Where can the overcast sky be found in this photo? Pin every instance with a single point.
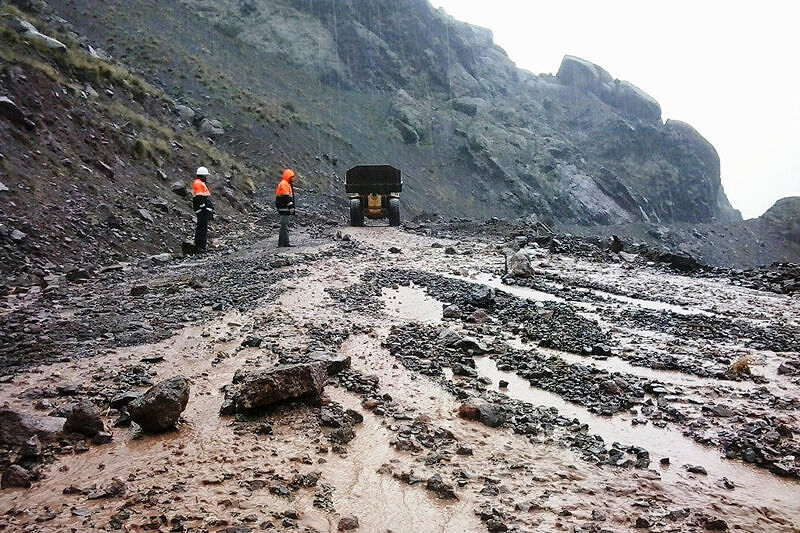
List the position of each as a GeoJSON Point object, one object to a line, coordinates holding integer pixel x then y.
{"type": "Point", "coordinates": [730, 69]}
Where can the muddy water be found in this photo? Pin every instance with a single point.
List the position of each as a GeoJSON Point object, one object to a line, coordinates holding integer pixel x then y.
{"type": "Point", "coordinates": [412, 304]}
{"type": "Point", "coordinates": [753, 482]}
{"type": "Point", "coordinates": [616, 364]}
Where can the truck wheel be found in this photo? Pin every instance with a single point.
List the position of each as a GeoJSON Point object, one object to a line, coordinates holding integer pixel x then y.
{"type": "Point", "coordinates": [394, 211]}
{"type": "Point", "coordinates": [356, 214]}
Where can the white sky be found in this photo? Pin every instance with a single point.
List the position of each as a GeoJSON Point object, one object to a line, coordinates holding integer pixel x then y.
{"type": "Point", "coordinates": [729, 68]}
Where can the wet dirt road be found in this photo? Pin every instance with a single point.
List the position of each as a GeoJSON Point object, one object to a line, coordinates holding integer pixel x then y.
{"type": "Point", "coordinates": [231, 474]}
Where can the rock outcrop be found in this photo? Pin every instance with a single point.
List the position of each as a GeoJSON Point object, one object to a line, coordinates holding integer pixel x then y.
{"type": "Point", "coordinates": [475, 135]}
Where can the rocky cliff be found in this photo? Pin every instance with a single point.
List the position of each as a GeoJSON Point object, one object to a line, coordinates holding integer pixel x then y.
{"type": "Point", "coordinates": [315, 82]}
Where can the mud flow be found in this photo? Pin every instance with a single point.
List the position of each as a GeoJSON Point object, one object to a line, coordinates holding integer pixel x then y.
{"type": "Point", "coordinates": [373, 379]}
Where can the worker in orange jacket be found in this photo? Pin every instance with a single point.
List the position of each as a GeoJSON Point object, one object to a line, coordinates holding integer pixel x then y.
{"type": "Point", "coordinates": [284, 201]}
{"type": "Point", "coordinates": [203, 208]}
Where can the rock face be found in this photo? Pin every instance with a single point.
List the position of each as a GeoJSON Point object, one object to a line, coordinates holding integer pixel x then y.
{"type": "Point", "coordinates": [160, 408]}
{"type": "Point", "coordinates": [579, 147]}
{"type": "Point", "coordinates": [623, 95]}
{"type": "Point", "coordinates": [267, 387]}
{"type": "Point", "coordinates": [783, 219]}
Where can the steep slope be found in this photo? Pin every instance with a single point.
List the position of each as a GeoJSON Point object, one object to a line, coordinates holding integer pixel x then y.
{"type": "Point", "coordinates": [332, 84]}
{"type": "Point", "coordinates": [94, 165]}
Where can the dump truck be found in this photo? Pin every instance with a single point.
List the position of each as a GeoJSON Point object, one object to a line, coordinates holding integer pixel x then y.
{"type": "Point", "coordinates": [374, 192]}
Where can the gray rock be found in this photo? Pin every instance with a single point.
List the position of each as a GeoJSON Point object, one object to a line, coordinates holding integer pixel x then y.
{"type": "Point", "coordinates": [491, 415]}
{"type": "Point", "coordinates": [84, 419]}
{"type": "Point", "coordinates": [145, 215]}
{"type": "Point", "coordinates": [634, 101]}
{"type": "Point", "coordinates": [3, 187]}
{"type": "Point", "coordinates": [122, 399]}
{"type": "Point", "coordinates": [335, 362]}
{"type": "Point", "coordinates": [264, 388]}
{"type": "Point", "coordinates": [348, 523]}
{"type": "Point", "coordinates": [30, 33]}
{"type": "Point", "coordinates": [17, 428]}
{"type": "Point", "coordinates": [440, 488]}
{"type": "Point", "coordinates": [12, 112]}
{"type": "Point", "coordinates": [160, 408]}
{"type": "Point", "coordinates": [211, 128]}
{"type": "Point", "coordinates": [185, 112]}
{"type": "Point", "coordinates": [519, 265]}
{"type": "Point", "coordinates": [179, 188]}
{"type": "Point", "coordinates": [15, 477]}
{"type": "Point", "coordinates": [722, 411]}
{"type": "Point", "coordinates": [451, 311]}
{"type": "Point", "coordinates": [468, 106]}
{"type": "Point", "coordinates": [18, 236]}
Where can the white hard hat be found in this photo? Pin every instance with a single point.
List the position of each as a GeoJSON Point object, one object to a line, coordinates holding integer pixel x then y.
{"type": "Point", "coordinates": [202, 171]}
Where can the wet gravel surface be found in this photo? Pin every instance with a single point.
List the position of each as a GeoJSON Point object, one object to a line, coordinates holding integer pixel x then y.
{"type": "Point", "coordinates": [416, 434]}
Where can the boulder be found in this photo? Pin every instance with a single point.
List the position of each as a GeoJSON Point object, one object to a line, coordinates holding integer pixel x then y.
{"type": "Point", "coordinates": [211, 128]}
{"type": "Point", "coordinates": [33, 35]}
{"type": "Point", "coordinates": [15, 477]}
{"type": "Point", "coordinates": [491, 415]}
{"type": "Point", "coordinates": [583, 74]}
{"type": "Point", "coordinates": [10, 111]}
{"type": "Point", "coordinates": [630, 99]}
{"type": "Point", "coordinates": [179, 188]}
{"type": "Point", "coordinates": [519, 265]}
{"type": "Point", "coordinates": [17, 428]}
{"type": "Point", "coordinates": [84, 419]}
{"type": "Point", "coordinates": [264, 388]}
{"type": "Point", "coordinates": [622, 95]}
{"type": "Point", "coordinates": [185, 112]}
{"type": "Point", "coordinates": [161, 406]}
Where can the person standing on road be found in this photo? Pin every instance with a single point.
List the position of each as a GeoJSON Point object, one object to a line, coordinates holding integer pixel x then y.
{"type": "Point", "coordinates": [203, 208]}
{"type": "Point", "coordinates": [284, 201]}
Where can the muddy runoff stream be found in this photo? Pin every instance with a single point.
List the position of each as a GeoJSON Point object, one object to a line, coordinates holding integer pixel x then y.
{"type": "Point", "coordinates": [281, 471]}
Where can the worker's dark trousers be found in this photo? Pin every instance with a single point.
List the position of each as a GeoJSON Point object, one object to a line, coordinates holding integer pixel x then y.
{"type": "Point", "coordinates": [201, 231]}
{"type": "Point", "coordinates": [283, 236]}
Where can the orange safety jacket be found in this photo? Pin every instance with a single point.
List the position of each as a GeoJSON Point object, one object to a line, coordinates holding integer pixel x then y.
{"type": "Point", "coordinates": [284, 197]}
{"type": "Point", "coordinates": [201, 197]}
{"type": "Point", "coordinates": [199, 188]}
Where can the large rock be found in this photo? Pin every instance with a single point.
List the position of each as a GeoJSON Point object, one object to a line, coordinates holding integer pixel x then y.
{"type": "Point", "coordinates": [33, 35]}
{"type": "Point", "coordinates": [84, 419]}
{"type": "Point", "coordinates": [12, 112]}
{"type": "Point", "coordinates": [622, 95]}
{"type": "Point", "coordinates": [519, 265]}
{"type": "Point", "coordinates": [211, 128]}
{"type": "Point", "coordinates": [17, 428]}
{"type": "Point", "coordinates": [264, 388]}
{"type": "Point", "coordinates": [632, 100]}
{"type": "Point", "coordinates": [15, 477]}
{"type": "Point", "coordinates": [584, 75]}
{"type": "Point", "coordinates": [161, 406]}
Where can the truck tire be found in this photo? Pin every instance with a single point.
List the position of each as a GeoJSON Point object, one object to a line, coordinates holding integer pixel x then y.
{"type": "Point", "coordinates": [356, 214]}
{"type": "Point", "coordinates": [394, 211]}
